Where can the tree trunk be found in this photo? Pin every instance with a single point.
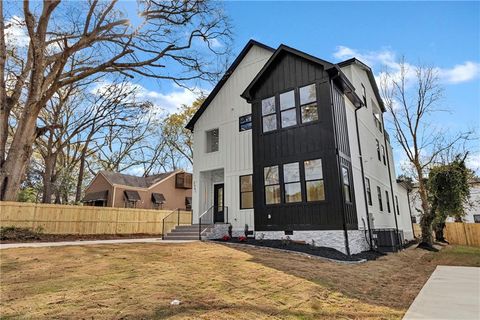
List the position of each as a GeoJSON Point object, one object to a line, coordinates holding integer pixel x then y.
{"type": "Point", "coordinates": [427, 214]}
{"type": "Point", "coordinates": [13, 169]}
{"type": "Point", "coordinates": [48, 177]}
{"type": "Point", "coordinates": [439, 227]}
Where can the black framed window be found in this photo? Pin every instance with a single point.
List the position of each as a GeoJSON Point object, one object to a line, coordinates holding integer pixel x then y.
{"type": "Point", "coordinates": [245, 122]}
{"type": "Point", "coordinates": [314, 184]}
{"type": "Point", "coordinates": [398, 208]}
{"type": "Point", "coordinates": [476, 218]}
{"type": "Point", "coordinates": [291, 180]}
{"type": "Point", "coordinates": [364, 95]}
{"type": "Point", "coordinates": [288, 112]}
{"type": "Point", "coordinates": [346, 184]}
{"type": "Point", "coordinates": [246, 192]}
{"type": "Point", "coordinates": [308, 103]}
{"type": "Point", "coordinates": [378, 150]}
{"type": "Point", "coordinates": [212, 140]}
{"type": "Point", "coordinates": [269, 114]}
{"type": "Point", "coordinates": [380, 203]}
{"type": "Point", "coordinates": [388, 201]}
{"type": "Point", "coordinates": [384, 157]}
{"type": "Point", "coordinates": [272, 185]}
{"type": "Point", "coordinates": [369, 191]}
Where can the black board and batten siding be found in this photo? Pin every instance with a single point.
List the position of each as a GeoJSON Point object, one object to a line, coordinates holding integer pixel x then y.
{"type": "Point", "coordinates": [308, 141]}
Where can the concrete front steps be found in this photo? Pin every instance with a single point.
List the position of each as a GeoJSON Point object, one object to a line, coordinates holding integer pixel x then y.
{"type": "Point", "coordinates": [187, 232]}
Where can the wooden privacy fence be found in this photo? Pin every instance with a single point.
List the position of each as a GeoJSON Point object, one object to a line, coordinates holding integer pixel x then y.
{"type": "Point", "coordinates": [64, 219]}
{"type": "Point", "coordinates": [458, 233]}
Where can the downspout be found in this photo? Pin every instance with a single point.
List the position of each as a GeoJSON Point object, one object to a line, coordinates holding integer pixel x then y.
{"type": "Point", "coordinates": [410, 210]}
{"type": "Point", "coordinates": [390, 178]}
{"type": "Point", "coordinates": [363, 179]}
{"type": "Point", "coordinates": [345, 231]}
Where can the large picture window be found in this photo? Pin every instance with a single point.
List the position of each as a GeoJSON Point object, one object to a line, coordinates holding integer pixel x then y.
{"type": "Point", "coordinates": [379, 194]}
{"type": "Point", "coordinates": [272, 185]}
{"type": "Point", "coordinates": [346, 185]}
{"type": "Point", "coordinates": [308, 103]}
{"type": "Point", "coordinates": [369, 191]}
{"type": "Point", "coordinates": [246, 192]}
{"type": "Point", "coordinates": [288, 112]}
{"type": "Point", "coordinates": [269, 115]}
{"type": "Point", "coordinates": [314, 180]}
{"type": "Point", "coordinates": [291, 179]}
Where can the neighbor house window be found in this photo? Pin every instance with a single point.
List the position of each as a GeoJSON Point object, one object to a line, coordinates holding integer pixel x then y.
{"type": "Point", "coordinates": [272, 185]}
{"type": "Point", "coordinates": [245, 122]}
{"type": "Point", "coordinates": [212, 140]}
{"type": "Point", "coordinates": [476, 218]}
{"type": "Point", "coordinates": [288, 112]}
{"type": "Point", "coordinates": [269, 115]}
{"type": "Point", "coordinates": [388, 201]}
{"type": "Point", "coordinates": [364, 95]}
{"type": "Point", "coordinates": [380, 203]}
{"type": "Point", "coordinates": [377, 120]}
{"type": "Point", "coordinates": [384, 157]}
{"type": "Point", "coordinates": [291, 180]}
{"type": "Point", "coordinates": [398, 208]}
{"type": "Point", "coordinates": [246, 192]}
{"type": "Point", "coordinates": [308, 103]}
{"type": "Point", "coordinates": [346, 184]}
{"type": "Point", "coordinates": [314, 180]}
{"type": "Point", "coordinates": [378, 150]}
{"type": "Point", "coordinates": [369, 191]}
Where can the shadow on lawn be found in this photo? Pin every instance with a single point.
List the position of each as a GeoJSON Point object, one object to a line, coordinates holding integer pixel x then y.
{"type": "Point", "coordinates": [392, 281]}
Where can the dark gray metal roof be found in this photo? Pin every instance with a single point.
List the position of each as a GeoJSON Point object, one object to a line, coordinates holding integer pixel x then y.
{"type": "Point", "coordinates": [158, 198]}
{"type": "Point", "coordinates": [132, 195]}
{"type": "Point", "coordinates": [134, 181]}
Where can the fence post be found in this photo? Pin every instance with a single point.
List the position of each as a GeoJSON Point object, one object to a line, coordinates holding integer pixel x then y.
{"type": "Point", "coordinates": [178, 217]}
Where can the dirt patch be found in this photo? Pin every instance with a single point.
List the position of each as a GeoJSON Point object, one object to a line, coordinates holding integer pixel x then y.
{"type": "Point", "coordinates": [21, 235]}
{"type": "Point", "coordinates": [324, 252]}
{"type": "Point", "coordinates": [212, 281]}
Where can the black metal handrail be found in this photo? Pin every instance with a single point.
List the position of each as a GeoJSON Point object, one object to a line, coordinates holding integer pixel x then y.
{"type": "Point", "coordinates": [163, 221]}
{"type": "Point", "coordinates": [202, 216]}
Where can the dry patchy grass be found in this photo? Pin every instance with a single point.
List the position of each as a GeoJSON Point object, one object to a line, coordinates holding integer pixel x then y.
{"type": "Point", "coordinates": [213, 281]}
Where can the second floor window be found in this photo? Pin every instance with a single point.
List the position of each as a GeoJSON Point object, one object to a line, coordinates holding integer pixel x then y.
{"type": "Point", "coordinates": [212, 140]}
{"type": "Point", "coordinates": [269, 114]}
{"type": "Point", "coordinates": [245, 122]}
{"type": "Point", "coordinates": [364, 95]}
{"type": "Point", "coordinates": [378, 150]}
{"type": "Point", "coordinates": [308, 103]}
{"type": "Point", "coordinates": [379, 194]}
{"type": "Point", "coordinates": [384, 157]}
{"type": "Point", "coordinates": [369, 191]}
{"type": "Point", "coordinates": [398, 208]}
{"type": "Point", "coordinates": [288, 112]}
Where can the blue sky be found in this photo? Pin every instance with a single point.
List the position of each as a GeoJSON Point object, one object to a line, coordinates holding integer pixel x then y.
{"type": "Point", "coordinates": [442, 34]}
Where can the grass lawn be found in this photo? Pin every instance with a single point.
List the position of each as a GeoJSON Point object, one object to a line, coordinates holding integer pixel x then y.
{"type": "Point", "coordinates": [213, 281]}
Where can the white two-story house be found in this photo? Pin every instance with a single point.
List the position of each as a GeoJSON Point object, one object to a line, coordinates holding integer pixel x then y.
{"type": "Point", "coordinates": [294, 146]}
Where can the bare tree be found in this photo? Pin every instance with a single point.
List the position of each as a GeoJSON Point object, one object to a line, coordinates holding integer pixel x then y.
{"type": "Point", "coordinates": [412, 96]}
{"type": "Point", "coordinates": [73, 41]}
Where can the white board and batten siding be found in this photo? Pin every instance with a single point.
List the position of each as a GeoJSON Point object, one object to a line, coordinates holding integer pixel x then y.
{"type": "Point", "coordinates": [375, 170]}
{"type": "Point", "coordinates": [234, 154]}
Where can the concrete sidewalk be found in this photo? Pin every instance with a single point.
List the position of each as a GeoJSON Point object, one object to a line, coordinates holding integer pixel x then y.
{"type": "Point", "coordinates": [450, 293]}
{"type": "Point", "coordinates": [87, 242]}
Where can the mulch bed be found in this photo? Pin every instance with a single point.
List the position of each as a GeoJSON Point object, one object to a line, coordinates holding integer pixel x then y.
{"type": "Point", "coordinates": [324, 252]}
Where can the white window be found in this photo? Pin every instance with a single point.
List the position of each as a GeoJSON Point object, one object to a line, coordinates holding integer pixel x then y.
{"type": "Point", "coordinates": [212, 140]}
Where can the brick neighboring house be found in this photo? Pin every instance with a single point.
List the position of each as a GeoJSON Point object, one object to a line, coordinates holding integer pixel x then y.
{"type": "Point", "coordinates": [169, 190]}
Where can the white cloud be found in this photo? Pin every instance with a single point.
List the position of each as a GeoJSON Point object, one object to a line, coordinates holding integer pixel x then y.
{"type": "Point", "coordinates": [461, 72]}
{"type": "Point", "coordinates": [473, 162]}
{"type": "Point", "coordinates": [163, 102]}
{"type": "Point", "coordinates": [388, 58]}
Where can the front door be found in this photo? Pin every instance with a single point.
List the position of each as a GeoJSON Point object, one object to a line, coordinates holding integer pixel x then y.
{"type": "Point", "coordinates": [218, 208]}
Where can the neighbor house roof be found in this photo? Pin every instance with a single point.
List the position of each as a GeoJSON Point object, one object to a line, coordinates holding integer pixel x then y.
{"type": "Point", "coordinates": [370, 75]}
{"type": "Point", "coordinates": [134, 181]}
{"type": "Point", "coordinates": [190, 125]}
